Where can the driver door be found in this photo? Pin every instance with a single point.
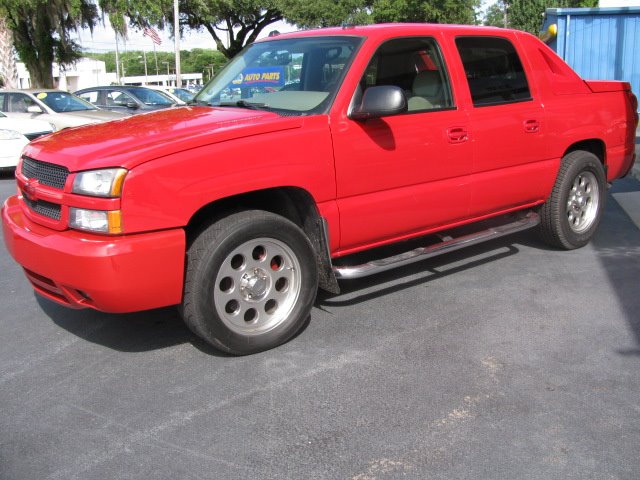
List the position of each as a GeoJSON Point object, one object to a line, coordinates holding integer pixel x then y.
{"type": "Point", "coordinates": [402, 175]}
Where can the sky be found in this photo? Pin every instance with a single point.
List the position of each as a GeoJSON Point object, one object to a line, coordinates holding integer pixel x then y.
{"type": "Point", "coordinates": [103, 38]}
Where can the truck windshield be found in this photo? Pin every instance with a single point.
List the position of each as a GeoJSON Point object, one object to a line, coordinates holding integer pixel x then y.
{"type": "Point", "coordinates": [296, 76]}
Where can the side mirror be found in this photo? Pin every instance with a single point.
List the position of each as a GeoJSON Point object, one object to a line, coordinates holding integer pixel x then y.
{"type": "Point", "coordinates": [133, 105]}
{"type": "Point", "coordinates": [34, 109]}
{"type": "Point", "coordinates": [381, 101]}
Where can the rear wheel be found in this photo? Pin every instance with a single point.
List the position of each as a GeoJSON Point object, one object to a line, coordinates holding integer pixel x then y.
{"type": "Point", "coordinates": [250, 284]}
{"type": "Point", "coordinates": [573, 211]}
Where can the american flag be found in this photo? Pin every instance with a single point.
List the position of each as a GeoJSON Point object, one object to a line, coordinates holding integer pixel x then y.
{"type": "Point", "coordinates": [152, 34]}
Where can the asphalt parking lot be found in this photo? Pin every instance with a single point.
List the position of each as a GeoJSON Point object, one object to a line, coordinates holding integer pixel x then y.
{"type": "Point", "coordinates": [508, 360]}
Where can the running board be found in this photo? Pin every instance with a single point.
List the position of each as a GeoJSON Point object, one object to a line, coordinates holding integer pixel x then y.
{"type": "Point", "coordinates": [448, 244]}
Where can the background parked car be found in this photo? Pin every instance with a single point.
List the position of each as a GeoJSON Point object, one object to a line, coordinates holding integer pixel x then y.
{"type": "Point", "coordinates": [180, 93]}
{"type": "Point", "coordinates": [126, 99]}
{"type": "Point", "coordinates": [15, 133]}
{"type": "Point", "coordinates": [61, 109]}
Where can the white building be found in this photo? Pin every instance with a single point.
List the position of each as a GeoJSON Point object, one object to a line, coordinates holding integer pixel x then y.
{"type": "Point", "coordinates": [164, 80]}
{"type": "Point", "coordinates": [619, 3]}
{"type": "Point", "coordinates": [86, 72]}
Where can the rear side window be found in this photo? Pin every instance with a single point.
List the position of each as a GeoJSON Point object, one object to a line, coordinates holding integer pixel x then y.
{"type": "Point", "coordinates": [494, 71]}
{"type": "Point", "coordinates": [91, 97]}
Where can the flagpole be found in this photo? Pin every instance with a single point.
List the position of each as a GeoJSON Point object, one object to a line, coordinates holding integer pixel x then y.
{"type": "Point", "coordinates": [149, 32]}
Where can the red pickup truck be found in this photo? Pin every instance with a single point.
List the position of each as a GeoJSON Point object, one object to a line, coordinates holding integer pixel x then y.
{"type": "Point", "coordinates": [313, 157]}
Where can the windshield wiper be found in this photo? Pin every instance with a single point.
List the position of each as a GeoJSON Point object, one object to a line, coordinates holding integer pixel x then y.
{"type": "Point", "coordinates": [244, 104]}
{"type": "Point", "coordinates": [199, 102]}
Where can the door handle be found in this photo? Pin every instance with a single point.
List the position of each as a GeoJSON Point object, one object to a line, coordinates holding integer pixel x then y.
{"type": "Point", "coordinates": [531, 126]}
{"type": "Point", "coordinates": [457, 134]}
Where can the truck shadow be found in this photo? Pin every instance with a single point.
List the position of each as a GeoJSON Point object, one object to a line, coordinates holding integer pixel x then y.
{"type": "Point", "coordinates": [357, 291]}
{"type": "Point", "coordinates": [163, 328]}
{"type": "Point", "coordinates": [128, 332]}
{"type": "Point", "coordinates": [617, 244]}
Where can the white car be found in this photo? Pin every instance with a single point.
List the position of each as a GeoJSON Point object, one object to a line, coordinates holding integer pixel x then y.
{"type": "Point", "coordinates": [15, 133]}
{"type": "Point", "coordinates": [59, 108]}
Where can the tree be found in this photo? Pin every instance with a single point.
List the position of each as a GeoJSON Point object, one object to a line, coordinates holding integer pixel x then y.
{"type": "Point", "coordinates": [434, 11]}
{"type": "Point", "coordinates": [192, 61]}
{"type": "Point", "coordinates": [326, 13]}
{"type": "Point", "coordinates": [242, 20]}
{"type": "Point", "coordinates": [41, 32]}
{"type": "Point", "coordinates": [494, 15]}
{"type": "Point", "coordinates": [527, 14]}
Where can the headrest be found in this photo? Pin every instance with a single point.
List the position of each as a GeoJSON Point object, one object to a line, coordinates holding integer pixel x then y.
{"type": "Point", "coordinates": [427, 83]}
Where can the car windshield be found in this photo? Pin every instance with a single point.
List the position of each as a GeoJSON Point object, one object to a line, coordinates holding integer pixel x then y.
{"type": "Point", "coordinates": [150, 97]}
{"type": "Point", "coordinates": [63, 102]}
{"type": "Point", "coordinates": [297, 76]}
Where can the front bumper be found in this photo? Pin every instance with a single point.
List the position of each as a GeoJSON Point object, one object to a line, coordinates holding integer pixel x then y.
{"type": "Point", "coordinates": [113, 274]}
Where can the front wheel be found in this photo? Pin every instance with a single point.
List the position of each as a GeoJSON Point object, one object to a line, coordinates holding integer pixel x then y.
{"type": "Point", "coordinates": [250, 283]}
{"type": "Point", "coordinates": [573, 211]}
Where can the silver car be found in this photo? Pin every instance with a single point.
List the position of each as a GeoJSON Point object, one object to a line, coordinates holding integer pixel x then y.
{"type": "Point", "coordinates": [61, 109]}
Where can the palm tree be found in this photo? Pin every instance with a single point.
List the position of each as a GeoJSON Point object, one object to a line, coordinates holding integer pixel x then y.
{"type": "Point", "coordinates": [8, 69]}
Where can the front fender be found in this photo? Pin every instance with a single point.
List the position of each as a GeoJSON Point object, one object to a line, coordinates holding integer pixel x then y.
{"type": "Point", "coordinates": [165, 193]}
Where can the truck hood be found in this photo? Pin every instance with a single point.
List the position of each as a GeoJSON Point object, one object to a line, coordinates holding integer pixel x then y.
{"type": "Point", "coordinates": [141, 138]}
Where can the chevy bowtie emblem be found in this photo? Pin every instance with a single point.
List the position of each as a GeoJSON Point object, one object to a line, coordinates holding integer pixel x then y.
{"type": "Point", "coordinates": [30, 189]}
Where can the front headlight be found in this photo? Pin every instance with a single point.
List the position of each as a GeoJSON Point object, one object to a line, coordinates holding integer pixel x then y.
{"type": "Point", "coordinates": [10, 135]}
{"type": "Point", "coordinates": [98, 221]}
{"type": "Point", "coordinates": [100, 183]}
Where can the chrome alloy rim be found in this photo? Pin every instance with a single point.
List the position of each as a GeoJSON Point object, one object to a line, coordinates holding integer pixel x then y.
{"type": "Point", "coordinates": [257, 286]}
{"type": "Point", "coordinates": [583, 202]}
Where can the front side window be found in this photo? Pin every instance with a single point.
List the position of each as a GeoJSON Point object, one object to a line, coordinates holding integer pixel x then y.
{"type": "Point", "coordinates": [494, 71]}
{"type": "Point", "coordinates": [296, 76]}
{"type": "Point", "coordinates": [416, 66]}
{"type": "Point", "coordinates": [19, 103]}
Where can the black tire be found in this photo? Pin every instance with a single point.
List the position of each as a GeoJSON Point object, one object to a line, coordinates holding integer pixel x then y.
{"type": "Point", "coordinates": [250, 282]}
{"type": "Point", "coordinates": [573, 211]}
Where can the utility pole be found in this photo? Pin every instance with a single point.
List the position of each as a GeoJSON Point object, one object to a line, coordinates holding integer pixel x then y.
{"type": "Point", "coordinates": [176, 34]}
{"type": "Point", "coordinates": [144, 55]}
{"type": "Point", "coordinates": [117, 62]}
{"type": "Point", "coordinates": [506, 14]}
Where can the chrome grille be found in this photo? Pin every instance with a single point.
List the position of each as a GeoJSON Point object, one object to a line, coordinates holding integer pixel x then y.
{"type": "Point", "coordinates": [46, 173]}
{"type": "Point", "coordinates": [46, 209]}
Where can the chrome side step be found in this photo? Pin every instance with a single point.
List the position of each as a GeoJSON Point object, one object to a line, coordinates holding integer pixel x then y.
{"type": "Point", "coordinates": [448, 244]}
